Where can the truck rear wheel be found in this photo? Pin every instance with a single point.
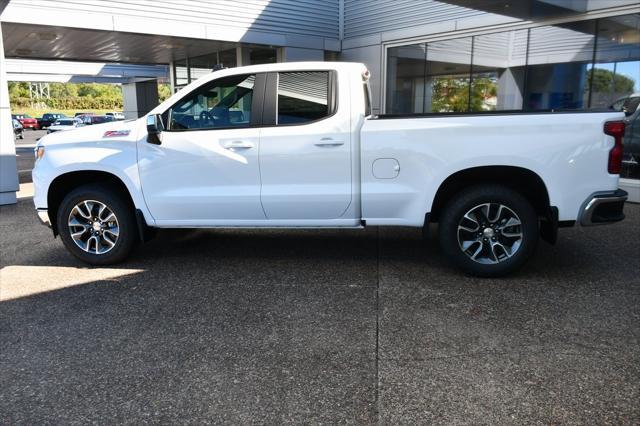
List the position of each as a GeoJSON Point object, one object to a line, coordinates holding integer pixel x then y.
{"type": "Point", "coordinates": [488, 230]}
{"type": "Point", "coordinates": [97, 225]}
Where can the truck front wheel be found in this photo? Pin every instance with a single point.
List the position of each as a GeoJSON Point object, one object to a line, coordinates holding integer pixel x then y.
{"type": "Point", "coordinates": [488, 230]}
{"type": "Point", "coordinates": [97, 225]}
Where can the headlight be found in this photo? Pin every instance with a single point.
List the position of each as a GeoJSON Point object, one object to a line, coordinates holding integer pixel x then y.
{"type": "Point", "coordinates": [39, 152]}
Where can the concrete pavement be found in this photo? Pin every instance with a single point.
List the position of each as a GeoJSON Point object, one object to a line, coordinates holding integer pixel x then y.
{"type": "Point", "coordinates": [372, 326]}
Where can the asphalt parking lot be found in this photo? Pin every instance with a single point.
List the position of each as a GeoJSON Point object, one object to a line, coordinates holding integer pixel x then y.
{"type": "Point", "coordinates": [317, 327]}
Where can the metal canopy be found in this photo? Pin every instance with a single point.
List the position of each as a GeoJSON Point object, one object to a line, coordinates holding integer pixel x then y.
{"type": "Point", "coordinates": [53, 42]}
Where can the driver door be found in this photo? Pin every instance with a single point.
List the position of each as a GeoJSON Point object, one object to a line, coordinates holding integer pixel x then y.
{"type": "Point", "coordinates": [205, 170]}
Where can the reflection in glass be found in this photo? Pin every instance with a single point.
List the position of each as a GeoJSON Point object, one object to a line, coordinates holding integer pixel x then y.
{"type": "Point", "coordinates": [616, 72]}
{"type": "Point", "coordinates": [262, 55]}
{"type": "Point", "coordinates": [406, 67]}
{"type": "Point", "coordinates": [558, 61]}
{"type": "Point", "coordinates": [222, 103]}
{"type": "Point", "coordinates": [302, 96]}
{"type": "Point", "coordinates": [498, 71]}
{"type": "Point", "coordinates": [447, 80]}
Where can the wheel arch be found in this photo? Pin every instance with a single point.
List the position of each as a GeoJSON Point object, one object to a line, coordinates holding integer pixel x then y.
{"type": "Point", "coordinates": [66, 182]}
{"type": "Point", "coordinates": [520, 179]}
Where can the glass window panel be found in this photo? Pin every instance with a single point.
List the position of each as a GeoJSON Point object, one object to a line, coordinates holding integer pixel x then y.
{"type": "Point", "coordinates": [498, 71]}
{"type": "Point", "coordinates": [181, 73]}
{"type": "Point", "coordinates": [223, 103]}
{"type": "Point", "coordinates": [558, 63]}
{"type": "Point", "coordinates": [616, 72]}
{"type": "Point", "coordinates": [262, 55]}
{"type": "Point", "coordinates": [303, 96]}
{"type": "Point", "coordinates": [406, 67]}
{"type": "Point", "coordinates": [447, 80]}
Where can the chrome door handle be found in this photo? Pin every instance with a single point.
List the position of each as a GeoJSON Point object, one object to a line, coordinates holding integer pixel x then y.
{"type": "Point", "coordinates": [329, 142]}
{"type": "Point", "coordinates": [237, 145]}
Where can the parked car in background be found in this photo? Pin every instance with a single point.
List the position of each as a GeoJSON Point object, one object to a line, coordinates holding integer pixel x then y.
{"type": "Point", "coordinates": [77, 114]}
{"type": "Point", "coordinates": [95, 119]}
{"type": "Point", "coordinates": [18, 130]}
{"type": "Point", "coordinates": [119, 116]}
{"type": "Point", "coordinates": [49, 118]}
{"type": "Point", "coordinates": [27, 121]}
{"type": "Point", "coordinates": [630, 105]}
{"type": "Point", "coordinates": [309, 153]}
{"type": "Point", "coordinates": [65, 124]}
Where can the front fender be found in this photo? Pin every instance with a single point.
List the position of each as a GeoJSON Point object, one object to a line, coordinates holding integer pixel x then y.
{"type": "Point", "coordinates": [118, 158]}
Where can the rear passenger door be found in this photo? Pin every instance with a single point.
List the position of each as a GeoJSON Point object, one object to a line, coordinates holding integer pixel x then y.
{"type": "Point", "coordinates": [305, 147]}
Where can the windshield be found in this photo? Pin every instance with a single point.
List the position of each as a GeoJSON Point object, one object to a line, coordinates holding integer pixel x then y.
{"type": "Point", "coordinates": [66, 122]}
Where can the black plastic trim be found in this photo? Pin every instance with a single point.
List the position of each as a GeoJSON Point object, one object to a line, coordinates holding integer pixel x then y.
{"type": "Point", "coordinates": [145, 232]}
{"type": "Point", "coordinates": [566, 223]}
{"type": "Point", "coordinates": [549, 226]}
{"type": "Point", "coordinates": [484, 113]}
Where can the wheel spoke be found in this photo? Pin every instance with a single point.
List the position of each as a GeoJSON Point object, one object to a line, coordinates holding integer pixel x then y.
{"type": "Point", "coordinates": [480, 214]}
{"type": "Point", "coordinates": [106, 239]}
{"type": "Point", "coordinates": [477, 252]}
{"type": "Point", "coordinates": [512, 234]}
{"type": "Point", "coordinates": [469, 243]}
{"type": "Point", "coordinates": [112, 231]}
{"type": "Point", "coordinates": [513, 221]}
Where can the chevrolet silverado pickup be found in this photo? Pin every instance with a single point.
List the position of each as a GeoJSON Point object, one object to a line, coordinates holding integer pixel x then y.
{"type": "Point", "coordinates": [296, 145]}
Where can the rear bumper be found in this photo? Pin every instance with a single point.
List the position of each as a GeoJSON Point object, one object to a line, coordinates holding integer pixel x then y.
{"type": "Point", "coordinates": [603, 207]}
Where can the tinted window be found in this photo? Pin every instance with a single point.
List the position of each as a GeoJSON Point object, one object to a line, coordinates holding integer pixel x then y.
{"type": "Point", "coordinates": [303, 96]}
{"type": "Point", "coordinates": [101, 119]}
{"type": "Point", "coordinates": [222, 103]}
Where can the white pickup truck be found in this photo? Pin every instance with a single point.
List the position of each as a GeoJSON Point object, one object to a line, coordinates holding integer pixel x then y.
{"type": "Point", "coordinates": [295, 145]}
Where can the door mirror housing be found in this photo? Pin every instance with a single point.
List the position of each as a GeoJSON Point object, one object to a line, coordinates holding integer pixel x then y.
{"type": "Point", "coordinates": [154, 129]}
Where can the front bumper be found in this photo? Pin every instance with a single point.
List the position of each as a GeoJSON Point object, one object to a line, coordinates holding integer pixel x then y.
{"type": "Point", "coordinates": [603, 207]}
{"type": "Point", "coordinates": [43, 214]}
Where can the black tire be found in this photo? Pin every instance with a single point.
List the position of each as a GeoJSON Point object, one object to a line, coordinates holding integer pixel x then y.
{"type": "Point", "coordinates": [127, 227]}
{"type": "Point", "coordinates": [453, 215]}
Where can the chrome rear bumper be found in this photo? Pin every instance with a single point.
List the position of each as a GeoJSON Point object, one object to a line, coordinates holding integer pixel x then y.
{"type": "Point", "coordinates": [603, 207]}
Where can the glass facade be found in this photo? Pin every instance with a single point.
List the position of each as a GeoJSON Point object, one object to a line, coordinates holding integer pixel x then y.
{"type": "Point", "coordinates": [190, 69]}
{"type": "Point", "coordinates": [592, 64]}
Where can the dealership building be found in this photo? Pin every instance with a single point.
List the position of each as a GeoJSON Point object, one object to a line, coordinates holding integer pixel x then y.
{"type": "Point", "coordinates": [433, 56]}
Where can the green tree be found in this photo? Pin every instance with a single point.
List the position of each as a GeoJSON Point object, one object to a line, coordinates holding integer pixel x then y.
{"type": "Point", "coordinates": [18, 90]}
{"type": "Point", "coordinates": [164, 91]}
{"type": "Point", "coordinates": [606, 81]}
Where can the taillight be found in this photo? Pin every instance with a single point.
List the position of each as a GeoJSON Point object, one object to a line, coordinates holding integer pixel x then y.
{"type": "Point", "coordinates": [615, 129]}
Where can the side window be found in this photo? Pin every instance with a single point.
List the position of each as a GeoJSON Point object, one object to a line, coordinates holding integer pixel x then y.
{"type": "Point", "coordinates": [222, 103]}
{"type": "Point", "coordinates": [304, 96]}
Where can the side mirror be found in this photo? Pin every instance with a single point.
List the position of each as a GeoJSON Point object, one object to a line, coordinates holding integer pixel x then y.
{"type": "Point", "coordinates": [154, 129]}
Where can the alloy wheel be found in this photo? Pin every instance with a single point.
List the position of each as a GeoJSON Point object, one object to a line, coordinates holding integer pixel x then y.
{"type": "Point", "coordinates": [490, 233]}
{"type": "Point", "coordinates": [93, 227]}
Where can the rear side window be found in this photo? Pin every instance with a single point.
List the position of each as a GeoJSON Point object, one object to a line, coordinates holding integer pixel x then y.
{"type": "Point", "coordinates": [304, 96]}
